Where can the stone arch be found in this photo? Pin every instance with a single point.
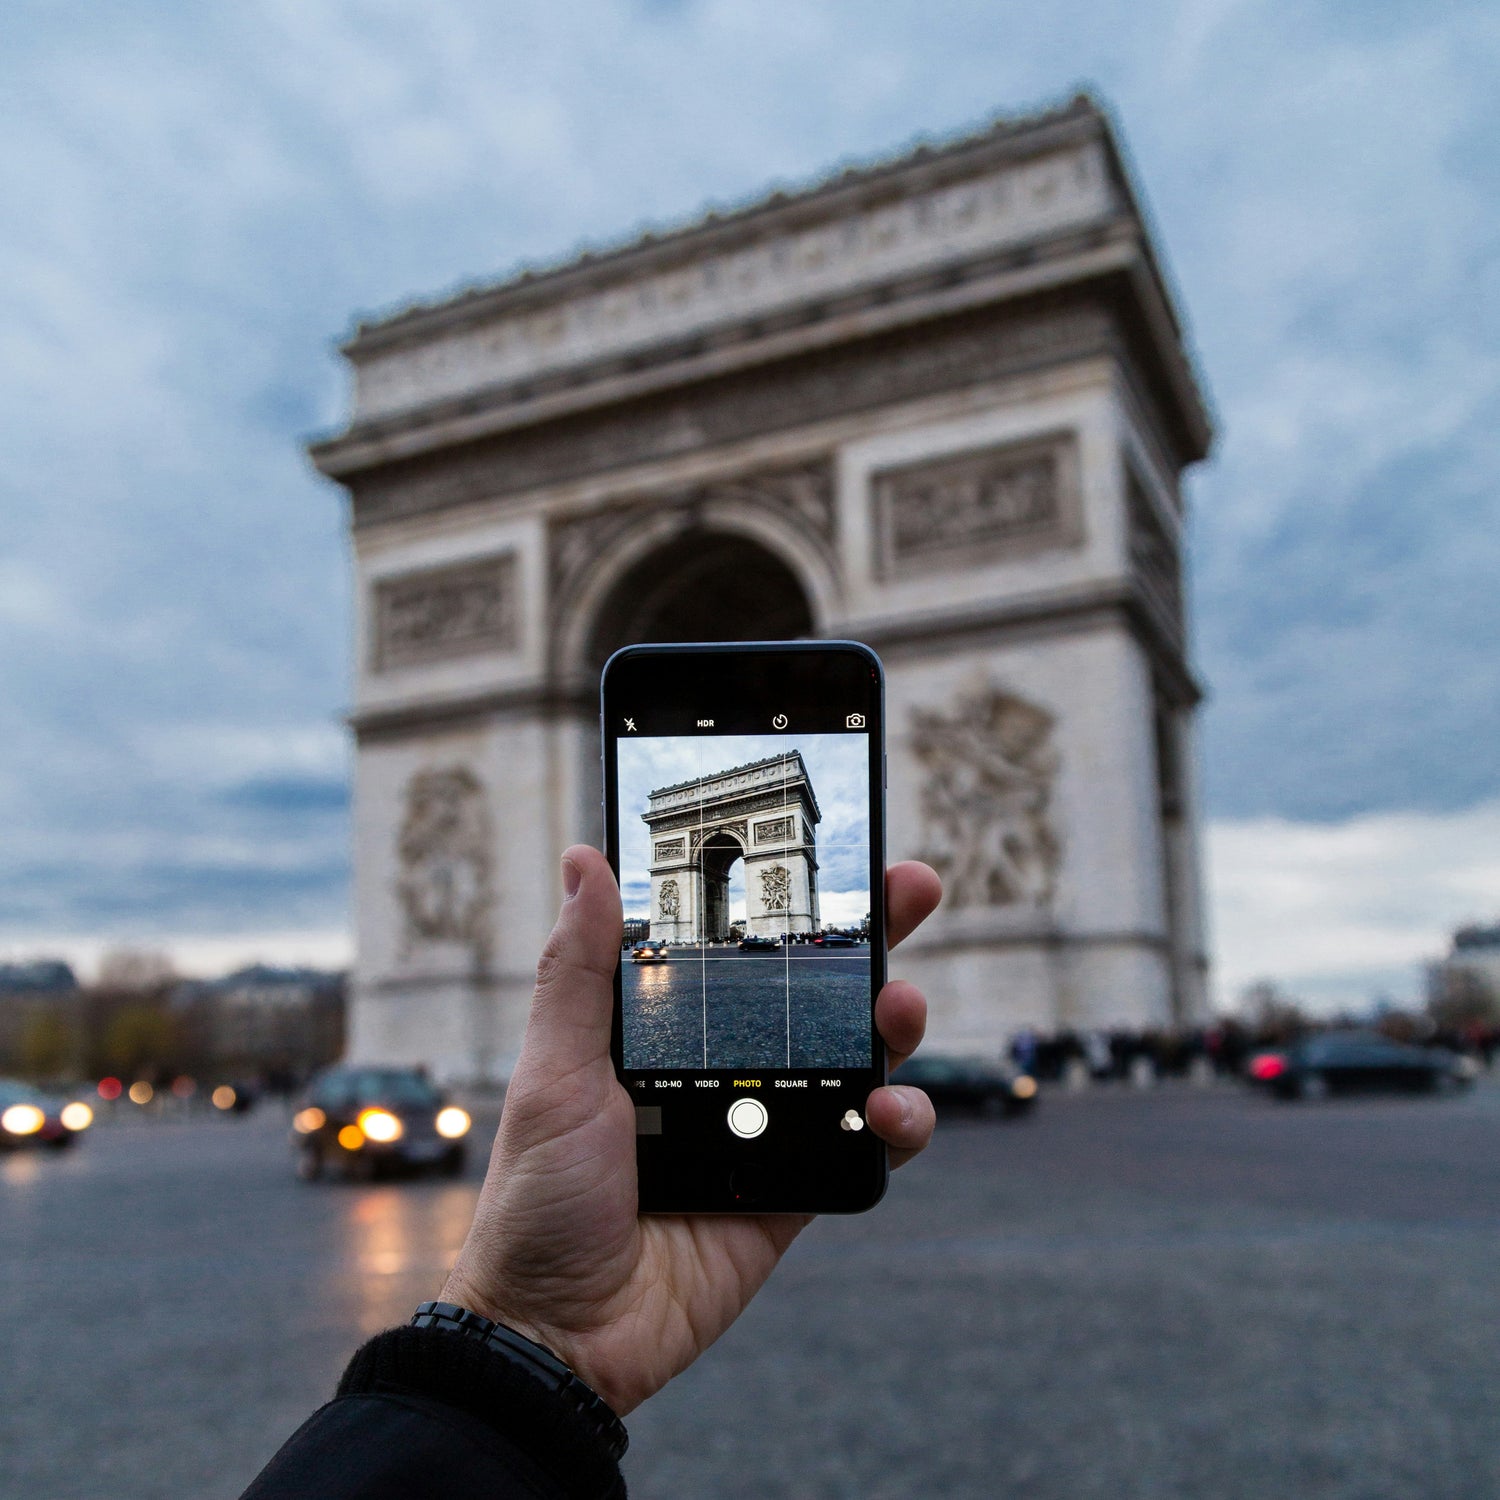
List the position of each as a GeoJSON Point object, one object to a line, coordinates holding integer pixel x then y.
{"type": "Point", "coordinates": [765, 814]}
{"type": "Point", "coordinates": [718, 854]}
{"type": "Point", "coordinates": [772, 577]}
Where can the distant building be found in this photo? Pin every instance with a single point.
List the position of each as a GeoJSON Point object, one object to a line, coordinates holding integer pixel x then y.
{"type": "Point", "coordinates": [265, 1019]}
{"type": "Point", "coordinates": [36, 995]}
{"type": "Point", "coordinates": [42, 976]}
{"type": "Point", "coordinates": [637, 929]}
{"type": "Point", "coordinates": [1468, 979]}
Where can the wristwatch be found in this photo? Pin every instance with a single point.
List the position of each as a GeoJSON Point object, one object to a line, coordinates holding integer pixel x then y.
{"type": "Point", "coordinates": [538, 1361]}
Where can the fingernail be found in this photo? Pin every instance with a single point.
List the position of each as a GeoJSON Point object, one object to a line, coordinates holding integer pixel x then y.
{"type": "Point", "coordinates": [572, 879]}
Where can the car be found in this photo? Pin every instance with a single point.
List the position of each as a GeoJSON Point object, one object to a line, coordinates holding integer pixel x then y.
{"type": "Point", "coordinates": [755, 943]}
{"type": "Point", "coordinates": [650, 951]}
{"type": "Point", "coordinates": [1348, 1062]}
{"type": "Point", "coordinates": [969, 1083]}
{"type": "Point", "coordinates": [371, 1122]}
{"type": "Point", "coordinates": [29, 1117]}
{"type": "Point", "coordinates": [834, 940]}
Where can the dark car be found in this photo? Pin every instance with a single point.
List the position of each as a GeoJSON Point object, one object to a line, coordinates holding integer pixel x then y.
{"type": "Point", "coordinates": [969, 1083]}
{"type": "Point", "coordinates": [834, 940]}
{"type": "Point", "coordinates": [368, 1122]}
{"type": "Point", "coordinates": [754, 943]}
{"type": "Point", "coordinates": [1348, 1062]}
{"type": "Point", "coordinates": [650, 951]}
{"type": "Point", "coordinates": [28, 1117]}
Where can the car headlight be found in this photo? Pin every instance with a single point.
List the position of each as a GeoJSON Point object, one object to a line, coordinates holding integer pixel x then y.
{"type": "Point", "coordinates": [1024, 1087]}
{"type": "Point", "coordinates": [77, 1115]}
{"type": "Point", "coordinates": [381, 1125]}
{"type": "Point", "coordinates": [23, 1119]}
{"type": "Point", "coordinates": [305, 1121]}
{"type": "Point", "coordinates": [453, 1122]}
{"type": "Point", "coordinates": [224, 1097]}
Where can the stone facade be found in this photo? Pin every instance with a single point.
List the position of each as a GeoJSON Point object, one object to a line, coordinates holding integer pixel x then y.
{"type": "Point", "coordinates": [941, 405]}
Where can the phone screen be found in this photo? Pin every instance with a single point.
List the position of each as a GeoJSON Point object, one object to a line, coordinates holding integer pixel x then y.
{"type": "Point", "coordinates": [744, 809]}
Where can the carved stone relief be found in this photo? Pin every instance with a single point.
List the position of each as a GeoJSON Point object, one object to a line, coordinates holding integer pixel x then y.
{"type": "Point", "coordinates": [989, 766]}
{"type": "Point", "coordinates": [444, 848]}
{"type": "Point", "coordinates": [802, 495]}
{"type": "Point", "coordinates": [776, 888]}
{"type": "Point", "coordinates": [668, 901]}
{"type": "Point", "coordinates": [907, 366]}
{"type": "Point", "coordinates": [738, 829]}
{"type": "Point", "coordinates": [774, 831]}
{"type": "Point", "coordinates": [671, 849]}
{"type": "Point", "coordinates": [977, 507]}
{"type": "Point", "coordinates": [448, 611]}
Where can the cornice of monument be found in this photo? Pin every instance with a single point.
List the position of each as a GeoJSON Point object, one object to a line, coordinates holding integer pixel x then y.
{"type": "Point", "coordinates": [1080, 607]}
{"type": "Point", "coordinates": [1102, 235]}
{"type": "Point", "coordinates": [774, 212]}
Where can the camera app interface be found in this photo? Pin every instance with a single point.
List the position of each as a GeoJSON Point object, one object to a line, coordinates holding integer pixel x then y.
{"type": "Point", "coordinates": [745, 870]}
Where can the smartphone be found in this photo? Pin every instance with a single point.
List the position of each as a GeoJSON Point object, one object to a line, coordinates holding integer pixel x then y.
{"type": "Point", "coordinates": [744, 808]}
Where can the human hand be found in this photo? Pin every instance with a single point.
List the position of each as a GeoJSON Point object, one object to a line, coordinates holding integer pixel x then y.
{"type": "Point", "coordinates": [557, 1249]}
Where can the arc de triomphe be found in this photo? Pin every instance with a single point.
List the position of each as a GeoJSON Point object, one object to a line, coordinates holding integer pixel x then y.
{"type": "Point", "coordinates": [764, 813]}
{"type": "Point", "coordinates": [943, 405]}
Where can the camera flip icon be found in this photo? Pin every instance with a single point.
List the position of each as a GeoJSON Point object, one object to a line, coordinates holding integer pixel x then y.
{"type": "Point", "coordinates": [855, 721]}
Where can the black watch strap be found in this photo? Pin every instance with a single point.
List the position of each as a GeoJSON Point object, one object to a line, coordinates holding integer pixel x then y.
{"type": "Point", "coordinates": [538, 1361]}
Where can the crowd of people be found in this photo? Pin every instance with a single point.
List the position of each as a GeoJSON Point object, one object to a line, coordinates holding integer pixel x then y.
{"type": "Point", "coordinates": [1222, 1049]}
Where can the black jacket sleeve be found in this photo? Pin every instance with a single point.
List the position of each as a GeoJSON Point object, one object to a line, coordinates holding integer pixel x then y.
{"type": "Point", "coordinates": [428, 1413]}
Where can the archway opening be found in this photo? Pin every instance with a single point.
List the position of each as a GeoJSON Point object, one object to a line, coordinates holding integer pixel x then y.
{"type": "Point", "coordinates": [720, 854]}
{"type": "Point", "coordinates": [703, 586]}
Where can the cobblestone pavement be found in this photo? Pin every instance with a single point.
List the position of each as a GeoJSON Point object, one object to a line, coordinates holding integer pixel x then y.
{"type": "Point", "coordinates": [1178, 1294]}
{"type": "Point", "coordinates": [721, 1008]}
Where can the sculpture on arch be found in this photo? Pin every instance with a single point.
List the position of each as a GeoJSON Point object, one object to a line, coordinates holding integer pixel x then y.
{"type": "Point", "coordinates": [776, 888]}
{"type": "Point", "coordinates": [444, 885]}
{"type": "Point", "coordinates": [986, 801]}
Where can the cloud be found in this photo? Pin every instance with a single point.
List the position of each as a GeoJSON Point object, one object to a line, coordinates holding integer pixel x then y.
{"type": "Point", "coordinates": [1342, 912]}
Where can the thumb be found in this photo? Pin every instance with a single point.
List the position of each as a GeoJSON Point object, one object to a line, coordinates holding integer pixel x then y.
{"type": "Point", "coordinates": [573, 1007]}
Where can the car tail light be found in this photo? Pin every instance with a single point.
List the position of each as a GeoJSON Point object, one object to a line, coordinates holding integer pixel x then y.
{"type": "Point", "coordinates": [1268, 1067]}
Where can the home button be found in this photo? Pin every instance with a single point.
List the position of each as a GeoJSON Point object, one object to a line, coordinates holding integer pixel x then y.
{"type": "Point", "coordinates": [747, 1186]}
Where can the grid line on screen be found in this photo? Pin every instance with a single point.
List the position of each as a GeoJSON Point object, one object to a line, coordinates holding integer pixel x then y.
{"type": "Point", "coordinates": [699, 900]}
{"type": "Point", "coordinates": [786, 926]}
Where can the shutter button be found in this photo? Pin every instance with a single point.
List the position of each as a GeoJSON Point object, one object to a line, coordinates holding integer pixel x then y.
{"type": "Point", "coordinates": [747, 1118]}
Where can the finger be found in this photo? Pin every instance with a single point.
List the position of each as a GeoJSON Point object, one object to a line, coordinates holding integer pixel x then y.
{"type": "Point", "coordinates": [901, 1019]}
{"type": "Point", "coordinates": [573, 1006]}
{"type": "Point", "coordinates": [912, 892]}
{"type": "Point", "coordinates": [903, 1117]}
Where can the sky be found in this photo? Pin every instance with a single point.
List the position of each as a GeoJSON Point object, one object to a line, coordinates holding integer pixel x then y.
{"type": "Point", "coordinates": [200, 199]}
{"type": "Point", "coordinates": [837, 771]}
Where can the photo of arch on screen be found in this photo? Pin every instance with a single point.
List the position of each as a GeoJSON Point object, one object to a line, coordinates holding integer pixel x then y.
{"type": "Point", "coordinates": [745, 869]}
